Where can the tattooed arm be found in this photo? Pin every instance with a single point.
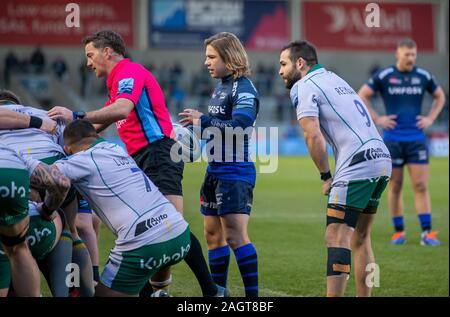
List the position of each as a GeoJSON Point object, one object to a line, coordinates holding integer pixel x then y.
{"type": "Point", "coordinates": [54, 182]}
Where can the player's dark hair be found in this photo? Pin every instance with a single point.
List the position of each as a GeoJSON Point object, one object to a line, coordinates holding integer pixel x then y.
{"type": "Point", "coordinates": [407, 42]}
{"type": "Point", "coordinates": [8, 97]}
{"type": "Point", "coordinates": [79, 130]}
{"type": "Point", "coordinates": [107, 38]}
{"type": "Point", "coordinates": [302, 49]}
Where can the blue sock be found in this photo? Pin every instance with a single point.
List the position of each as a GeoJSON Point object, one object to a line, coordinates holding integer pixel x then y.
{"type": "Point", "coordinates": [247, 260]}
{"type": "Point", "coordinates": [219, 259]}
{"type": "Point", "coordinates": [425, 221]}
{"type": "Point", "coordinates": [398, 223]}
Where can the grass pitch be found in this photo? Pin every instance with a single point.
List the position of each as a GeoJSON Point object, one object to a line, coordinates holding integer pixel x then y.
{"type": "Point", "coordinates": [287, 226]}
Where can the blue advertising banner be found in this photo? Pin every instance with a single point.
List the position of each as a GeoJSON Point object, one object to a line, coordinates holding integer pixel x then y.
{"type": "Point", "coordinates": [261, 25]}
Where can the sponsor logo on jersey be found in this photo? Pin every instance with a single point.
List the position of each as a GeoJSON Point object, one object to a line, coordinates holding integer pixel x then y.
{"type": "Point", "coordinates": [234, 89]}
{"type": "Point", "coordinates": [120, 123]}
{"type": "Point", "coordinates": [369, 154]}
{"type": "Point", "coordinates": [415, 81]}
{"type": "Point", "coordinates": [405, 90]}
{"type": "Point", "coordinates": [150, 223]}
{"type": "Point", "coordinates": [216, 109]}
{"type": "Point", "coordinates": [422, 155]}
{"type": "Point", "coordinates": [13, 191]}
{"type": "Point", "coordinates": [395, 81]}
{"type": "Point", "coordinates": [125, 86]}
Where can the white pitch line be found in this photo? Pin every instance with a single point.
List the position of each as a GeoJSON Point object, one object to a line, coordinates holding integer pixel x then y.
{"type": "Point", "coordinates": [276, 293]}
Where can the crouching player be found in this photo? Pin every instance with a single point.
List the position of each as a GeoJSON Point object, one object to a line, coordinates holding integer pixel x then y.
{"type": "Point", "coordinates": [16, 176]}
{"type": "Point", "coordinates": [46, 241]}
{"type": "Point", "coordinates": [151, 234]}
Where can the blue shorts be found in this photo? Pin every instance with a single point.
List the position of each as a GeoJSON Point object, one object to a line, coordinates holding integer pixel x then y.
{"type": "Point", "coordinates": [83, 206]}
{"type": "Point", "coordinates": [219, 197]}
{"type": "Point", "coordinates": [414, 152]}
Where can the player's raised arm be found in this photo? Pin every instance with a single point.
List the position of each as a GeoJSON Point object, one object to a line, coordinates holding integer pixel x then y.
{"type": "Point", "coordinates": [118, 110]}
{"type": "Point", "coordinates": [54, 182]}
{"type": "Point", "coordinates": [13, 120]}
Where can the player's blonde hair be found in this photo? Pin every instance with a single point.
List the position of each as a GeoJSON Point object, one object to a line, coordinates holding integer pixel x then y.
{"type": "Point", "coordinates": [232, 53]}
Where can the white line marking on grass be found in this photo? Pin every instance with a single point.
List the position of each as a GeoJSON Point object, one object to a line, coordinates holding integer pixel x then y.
{"type": "Point", "coordinates": [275, 293]}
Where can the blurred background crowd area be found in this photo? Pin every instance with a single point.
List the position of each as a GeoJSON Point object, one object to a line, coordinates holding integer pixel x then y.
{"type": "Point", "coordinates": [42, 59]}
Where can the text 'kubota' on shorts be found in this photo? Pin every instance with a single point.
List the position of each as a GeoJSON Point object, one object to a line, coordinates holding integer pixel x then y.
{"type": "Point", "coordinates": [219, 197]}
{"type": "Point", "coordinates": [41, 237]}
{"type": "Point", "coordinates": [129, 271]}
{"type": "Point", "coordinates": [14, 191]}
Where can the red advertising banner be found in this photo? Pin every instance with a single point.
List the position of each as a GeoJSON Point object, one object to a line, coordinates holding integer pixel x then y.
{"type": "Point", "coordinates": [342, 25]}
{"type": "Point", "coordinates": [31, 22]}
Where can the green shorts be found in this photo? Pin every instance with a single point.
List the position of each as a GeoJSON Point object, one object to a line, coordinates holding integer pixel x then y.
{"type": "Point", "coordinates": [72, 194]}
{"type": "Point", "coordinates": [359, 194]}
{"type": "Point", "coordinates": [129, 271]}
{"type": "Point", "coordinates": [41, 237]}
{"type": "Point", "coordinates": [14, 191]}
{"type": "Point", "coordinates": [5, 270]}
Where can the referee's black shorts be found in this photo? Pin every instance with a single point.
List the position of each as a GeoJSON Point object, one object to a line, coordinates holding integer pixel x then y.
{"type": "Point", "coordinates": [154, 159]}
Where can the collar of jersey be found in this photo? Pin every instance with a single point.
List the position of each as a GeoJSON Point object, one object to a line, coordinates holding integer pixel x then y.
{"type": "Point", "coordinates": [403, 72]}
{"type": "Point", "coordinates": [99, 140]}
{"type": "Point", "coordinates": [111, 75]}
{"type": "Point", "coordinates": [227, 78]}
{"type": "Point", "coordinates": [314, 68]}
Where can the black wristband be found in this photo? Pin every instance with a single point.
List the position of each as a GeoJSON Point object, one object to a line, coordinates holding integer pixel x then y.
{"type": "Point", "coordinates": [35, 122]}
{"type": "Point", "coordinates": [46, 210]}
{"type": "Point", "coordinates": [325, 176]}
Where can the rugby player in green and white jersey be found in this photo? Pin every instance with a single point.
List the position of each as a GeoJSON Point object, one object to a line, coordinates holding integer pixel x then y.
{"type": "Point", "coordinates": [151, 234]}
{"type": "Point", "coordinates": [329, 110]}
{"type": "Point", "coordinates": [43, 238]}
{"type": "Point", "coordinates": [16, 176]}
{"type": "Point", "coordinates": [47, 148]}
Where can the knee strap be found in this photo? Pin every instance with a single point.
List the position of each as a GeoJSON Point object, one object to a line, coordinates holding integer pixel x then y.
{"type": "Point", "coordinates": [339, 261]}
{"type": "Point", "coordinates": [163, 284]}
{"type": "Point", "coordinates": [342, 214]}
{"type": "Point", "coordinates": [13, 241]}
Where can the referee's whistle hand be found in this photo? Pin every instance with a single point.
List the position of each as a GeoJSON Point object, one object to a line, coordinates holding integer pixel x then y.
{"type": "Point", "coordinates": [60, 113]}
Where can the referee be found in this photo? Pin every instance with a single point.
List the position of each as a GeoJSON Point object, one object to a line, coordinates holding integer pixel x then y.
{"type": "Point", "coordinates": [136, 104]}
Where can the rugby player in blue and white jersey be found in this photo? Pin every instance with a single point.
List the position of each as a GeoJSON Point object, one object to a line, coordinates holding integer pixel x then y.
{"type": "Point", "coordinates": [402, 87]}
{"type": "Point", "coordinates": [227, 191]}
